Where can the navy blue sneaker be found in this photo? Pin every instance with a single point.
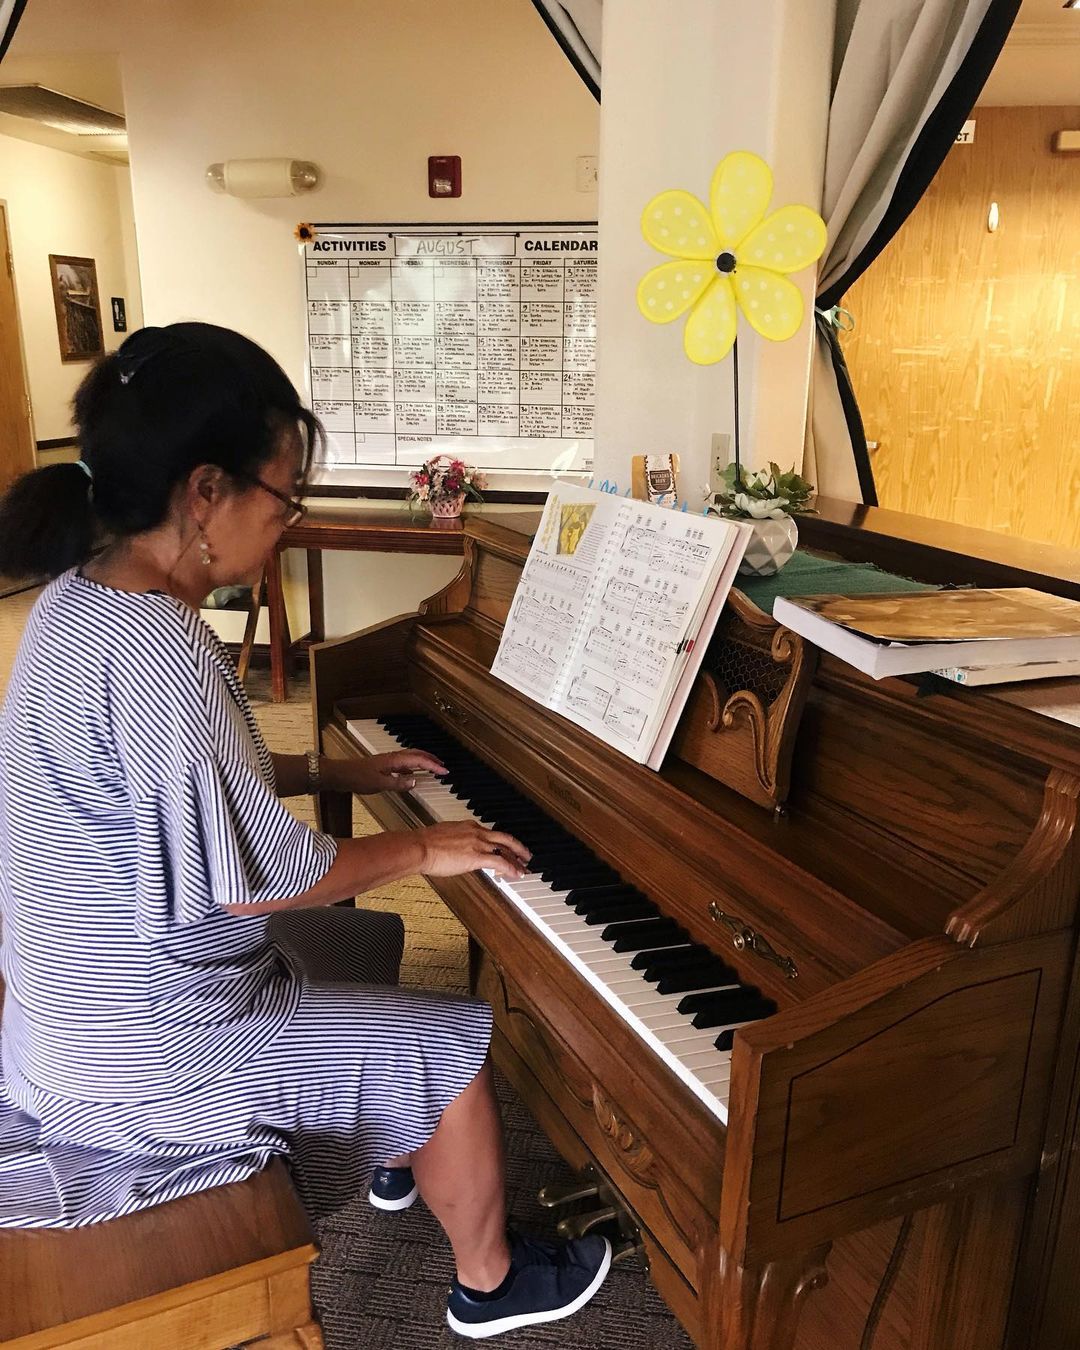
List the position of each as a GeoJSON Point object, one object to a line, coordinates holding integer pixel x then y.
{"type": "Point", "coordinates": [546, 1281]}
{"type": "Point", "coordinates": [392, 1188]}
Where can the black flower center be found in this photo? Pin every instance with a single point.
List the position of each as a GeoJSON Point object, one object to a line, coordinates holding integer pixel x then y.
{"type": "Point", "coordinates": [725, 262]}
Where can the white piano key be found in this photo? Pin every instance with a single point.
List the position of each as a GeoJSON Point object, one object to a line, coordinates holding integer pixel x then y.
{"type": "Point", "coordinates": [707, 1059]}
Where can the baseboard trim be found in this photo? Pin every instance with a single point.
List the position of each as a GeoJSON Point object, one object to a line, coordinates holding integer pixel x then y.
{"type": "Point", "coordinates": [10, 587]}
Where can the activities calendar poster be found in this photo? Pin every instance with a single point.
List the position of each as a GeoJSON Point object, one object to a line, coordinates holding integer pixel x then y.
{"type": "Point", "coordinates": [476, 341]}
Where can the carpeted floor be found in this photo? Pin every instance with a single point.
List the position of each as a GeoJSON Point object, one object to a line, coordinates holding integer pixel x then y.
{"type": "Point", "coordinates": [381, 1281]}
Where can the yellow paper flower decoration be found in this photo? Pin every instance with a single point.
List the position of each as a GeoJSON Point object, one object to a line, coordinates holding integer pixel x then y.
{"type": "Point", "coordinates": [728, 254]}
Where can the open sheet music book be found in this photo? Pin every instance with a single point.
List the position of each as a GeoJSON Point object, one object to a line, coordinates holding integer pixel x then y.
{"type": "Point", "coordinates": [613, 612]}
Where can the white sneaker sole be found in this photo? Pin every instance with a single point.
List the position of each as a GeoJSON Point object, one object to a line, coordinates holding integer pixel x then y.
{"type": "Point", "coordinates": [479, 1330]}
{"type": "Point", "coordinates": [393, 1205]}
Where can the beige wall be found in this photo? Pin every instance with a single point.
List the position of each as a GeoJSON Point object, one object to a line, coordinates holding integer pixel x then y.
{"type": "Point", "coordinates": [768, 94]}
{"type": "Point", "coordinates": [368, 91]}
{"type": "Point", "coordinates": [62, 203]}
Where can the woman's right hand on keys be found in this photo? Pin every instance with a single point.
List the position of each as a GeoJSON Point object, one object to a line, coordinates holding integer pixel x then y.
{"type": "Point", "coordinates": [458, 846]}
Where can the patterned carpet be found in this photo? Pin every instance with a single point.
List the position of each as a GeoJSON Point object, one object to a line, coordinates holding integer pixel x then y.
{"type": "Point", "coordinates": [381, 1281]}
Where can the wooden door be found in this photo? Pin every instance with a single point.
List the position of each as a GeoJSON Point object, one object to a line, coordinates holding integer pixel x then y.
{"type": "Point", "coordinates": [966, 351]}
{"type": "Point", "coordinates": [16, 439]}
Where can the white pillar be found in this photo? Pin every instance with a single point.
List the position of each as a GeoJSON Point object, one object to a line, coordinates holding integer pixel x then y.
{"type": "Point", "coordinates": [684, 83]}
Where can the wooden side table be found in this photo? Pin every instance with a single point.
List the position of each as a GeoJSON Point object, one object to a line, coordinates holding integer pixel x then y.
{"type": "Point", "coordinates": [366, 530]}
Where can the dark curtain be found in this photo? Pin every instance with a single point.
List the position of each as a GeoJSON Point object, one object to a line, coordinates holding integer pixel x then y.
{"type": "Point", "coordinates": [575, 26]}
{"type": "Point", "coordinates": [10, 13]}
{"type": "Point", "coordinates": [924, 158]}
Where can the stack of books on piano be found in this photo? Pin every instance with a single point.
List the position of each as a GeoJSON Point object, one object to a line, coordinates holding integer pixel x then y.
{"type": "Point", "coordinates": [971, 637]}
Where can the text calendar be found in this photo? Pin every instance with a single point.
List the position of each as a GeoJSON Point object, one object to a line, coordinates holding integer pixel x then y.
{"type": "Point", "coordinates": [478, 342]}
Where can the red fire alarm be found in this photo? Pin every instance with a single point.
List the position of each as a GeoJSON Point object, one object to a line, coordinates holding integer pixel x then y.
{"type": "Point", "coordinates": [444, 175]}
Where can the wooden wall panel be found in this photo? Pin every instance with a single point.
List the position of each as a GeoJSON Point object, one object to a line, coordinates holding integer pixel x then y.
{"type": "Point", "coordinates": [966, 353]}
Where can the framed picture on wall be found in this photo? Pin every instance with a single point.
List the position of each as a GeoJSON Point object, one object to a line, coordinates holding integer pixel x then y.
{"type": "Point", "coordinates": [78, 311]}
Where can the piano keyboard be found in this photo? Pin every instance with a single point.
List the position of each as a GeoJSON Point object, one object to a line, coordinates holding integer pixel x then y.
{"type": "Point", "coordinates": [676, 995]}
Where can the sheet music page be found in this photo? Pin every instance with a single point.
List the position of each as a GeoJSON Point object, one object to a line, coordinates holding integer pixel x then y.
{"type": "Point", "coordinates": [553, 593]}
{"type": "Point", "coordinates": [609, 603]}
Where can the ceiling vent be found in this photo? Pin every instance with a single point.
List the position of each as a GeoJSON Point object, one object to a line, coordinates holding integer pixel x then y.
{"type": "Point", "coordinates": [60, 111]}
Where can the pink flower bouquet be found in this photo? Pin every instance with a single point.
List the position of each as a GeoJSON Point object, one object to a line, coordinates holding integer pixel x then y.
{"type": "Point", "coordinates": [443, 484]}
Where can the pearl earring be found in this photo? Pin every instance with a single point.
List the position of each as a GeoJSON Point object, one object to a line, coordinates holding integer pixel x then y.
{"type": "Point", "coordinates": [204, 551]}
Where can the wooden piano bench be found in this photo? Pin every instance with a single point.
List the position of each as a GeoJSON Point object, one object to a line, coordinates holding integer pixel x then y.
{"type": "Point", "coordinates": [203, 1272]}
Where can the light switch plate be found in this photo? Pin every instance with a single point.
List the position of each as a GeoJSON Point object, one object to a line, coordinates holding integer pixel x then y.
{"type": "Point", "coordinates": [587, 173]}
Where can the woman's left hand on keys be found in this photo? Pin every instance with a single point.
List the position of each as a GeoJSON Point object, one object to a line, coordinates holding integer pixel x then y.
{"type": "Point", "coordinates": [393, 772]}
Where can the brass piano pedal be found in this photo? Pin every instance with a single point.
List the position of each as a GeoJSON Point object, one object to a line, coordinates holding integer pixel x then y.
{"type": "Point", "coordinates": [557, 1193]}
{"type": "Point", "coordinates": [624, 1251]}
{"type": "Point", "coordinates": [577, 1225]}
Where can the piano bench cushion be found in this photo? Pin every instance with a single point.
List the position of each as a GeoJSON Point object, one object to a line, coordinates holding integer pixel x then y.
{"type": "Point", "coordinates": [357, 946]}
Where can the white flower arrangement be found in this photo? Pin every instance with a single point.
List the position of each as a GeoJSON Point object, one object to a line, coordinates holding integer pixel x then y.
{"type": "Point", "coordinates": [766, 494]}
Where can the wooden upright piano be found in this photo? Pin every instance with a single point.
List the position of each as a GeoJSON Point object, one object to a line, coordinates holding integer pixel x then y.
{"type": "Point", "coordinates": [884, 1162]}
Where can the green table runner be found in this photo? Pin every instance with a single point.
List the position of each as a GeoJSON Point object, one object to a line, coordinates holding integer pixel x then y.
{"type": "Point", "coordinates": [808, 575]}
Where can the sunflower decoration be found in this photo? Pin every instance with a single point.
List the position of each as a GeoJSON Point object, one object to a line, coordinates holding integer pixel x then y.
{"type": "Point", "coordinates": [729, 256]}
{"type": "Point", "coordinates": [305, 233]}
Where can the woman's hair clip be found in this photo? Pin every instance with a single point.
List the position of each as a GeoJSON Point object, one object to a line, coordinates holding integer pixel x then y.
{"type": "Point", "coordinates": [128, 363]}
{"type": "Point", "coordinates": [128, 366]}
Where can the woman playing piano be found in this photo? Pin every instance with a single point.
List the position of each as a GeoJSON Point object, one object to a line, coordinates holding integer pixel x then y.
{"type": "Point", "coordinates": [182, 1000]}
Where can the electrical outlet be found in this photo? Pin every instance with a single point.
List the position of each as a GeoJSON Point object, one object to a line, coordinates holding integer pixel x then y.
{"type": "Point", "coordinates": [587, 174]}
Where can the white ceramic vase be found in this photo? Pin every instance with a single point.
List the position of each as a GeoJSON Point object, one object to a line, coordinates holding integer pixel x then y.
{"type": "Point", "coordinates": [771, 546]}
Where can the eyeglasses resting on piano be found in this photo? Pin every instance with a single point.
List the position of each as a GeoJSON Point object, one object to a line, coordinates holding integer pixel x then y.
{"type": "Point", "coordinates": [676, 994]}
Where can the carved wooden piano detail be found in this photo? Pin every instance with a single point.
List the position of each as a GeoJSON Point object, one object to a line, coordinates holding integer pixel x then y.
{"type": "Point", "coordinates": [879, 1164]}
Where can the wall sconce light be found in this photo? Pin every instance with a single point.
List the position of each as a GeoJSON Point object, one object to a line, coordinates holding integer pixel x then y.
{"type": "Point", "coordinates": [993, 217]}
{"type": "Point", "coordinates": [263, 177]}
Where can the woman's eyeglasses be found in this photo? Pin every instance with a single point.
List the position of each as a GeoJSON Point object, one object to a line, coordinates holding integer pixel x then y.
{"type": "Point", "coordinates": [296, 509]}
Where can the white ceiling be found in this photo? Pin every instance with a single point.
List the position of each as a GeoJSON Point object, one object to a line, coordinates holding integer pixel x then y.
{"type": "Point", "coordinates": [1040, 64]}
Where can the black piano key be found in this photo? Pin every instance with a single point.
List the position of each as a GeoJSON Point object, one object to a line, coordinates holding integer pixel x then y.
{"type": "Point", "coordinates": [722, 1015]}
{"type": "Point", "coordinates": [569, 851]}
{"type": "Point", "coordinates": [649, 933]}
{"type": "Point", "coordinates": [514, 821]}
{"type": "Point", "coordinates": [688, 978]}
{"type": "Point", "coordinates": [578, 894]}
{"type": "Point", "coordinates": [646, 955]}
{"type": "Point", "coordinates": [487, 801]}
{"type": "Point", "coordinates": [562, 876]}
{"type": "Point", "coordinates": [727, 1037]}
{"type": "Point", "coordinates": [694, 1002]}
{"type": "Point", "coordinates": [693, 955]}
{"type": "Point", "coordinates": [592, 904]}
{"type": "Point", "coordinates": [637, 909]}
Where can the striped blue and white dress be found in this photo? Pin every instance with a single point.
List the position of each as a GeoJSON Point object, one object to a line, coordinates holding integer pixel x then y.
{"type": "Point", "coordinates": [154, 1044]}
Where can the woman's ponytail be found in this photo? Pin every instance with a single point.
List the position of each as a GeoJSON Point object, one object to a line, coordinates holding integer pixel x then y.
{"type": "Point", "coordinates": [47, 522]}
